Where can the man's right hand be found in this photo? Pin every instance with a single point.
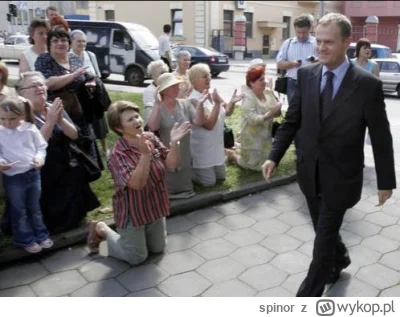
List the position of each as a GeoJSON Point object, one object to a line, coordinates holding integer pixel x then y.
{"type": "Point", "coordinates": [268, 168]}
{"type": "Point", "coordinates": [295, 64]}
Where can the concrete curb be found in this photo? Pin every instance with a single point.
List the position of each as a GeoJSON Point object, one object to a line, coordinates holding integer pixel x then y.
{"type": "Point", "coordinates": [11, 254]}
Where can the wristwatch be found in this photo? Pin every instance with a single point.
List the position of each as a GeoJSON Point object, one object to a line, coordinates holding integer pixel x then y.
{"type": "Point", "coordinates": [177, 144]}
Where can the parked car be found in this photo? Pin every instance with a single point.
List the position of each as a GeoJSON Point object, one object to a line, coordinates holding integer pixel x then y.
{"type": "Point", "coordinates": [377, 51]}
{"type": "Point", "coordinates": [217, 61]}
{"type": "Point", "coordinates": [13, 46]}
{"type": "Point", "coordinates": [390, 74]}
{"type": "Point", "coordinates": [396, 55]}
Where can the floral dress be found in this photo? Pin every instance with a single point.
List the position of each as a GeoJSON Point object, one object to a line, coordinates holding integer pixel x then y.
{"type": "Point", "coordinates": [255, 132]}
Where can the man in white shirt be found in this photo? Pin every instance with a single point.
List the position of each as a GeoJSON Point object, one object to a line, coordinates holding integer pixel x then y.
{"type": "Point", "coordinates": [295, 52]}
{"type": "Point", "coordinates": [164, 46]}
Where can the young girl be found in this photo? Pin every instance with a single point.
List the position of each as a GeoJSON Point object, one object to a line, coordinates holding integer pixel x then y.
{"type": "Point", "coordinates": [22, 154]}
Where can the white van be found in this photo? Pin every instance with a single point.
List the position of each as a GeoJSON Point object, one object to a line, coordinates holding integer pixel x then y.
{"type": "Point", "coordinates": [121, 48]}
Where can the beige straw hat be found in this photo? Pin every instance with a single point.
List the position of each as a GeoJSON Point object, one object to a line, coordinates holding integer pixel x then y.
{"type": "Point", "coordinates": [167, 80]}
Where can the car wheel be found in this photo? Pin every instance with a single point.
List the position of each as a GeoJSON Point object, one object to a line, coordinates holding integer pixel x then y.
{"type": "Point", "coordinates": [215, 74]}
{"type": "Point", "coordinates": [135, 76]}
{"type": "Point", "coordinates": [398, 91]}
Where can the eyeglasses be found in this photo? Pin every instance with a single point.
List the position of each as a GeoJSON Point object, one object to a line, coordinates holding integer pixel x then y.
{"type": "Point", "coordinates": [33, 86]}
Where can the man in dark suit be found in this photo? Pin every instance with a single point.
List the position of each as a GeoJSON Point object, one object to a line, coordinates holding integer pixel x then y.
{"type": "Point", "coordinates": [333, 104]}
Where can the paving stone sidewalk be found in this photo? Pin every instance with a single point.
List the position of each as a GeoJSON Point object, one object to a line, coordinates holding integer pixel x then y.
{"type": "Point", "coordinates": [259, 245]}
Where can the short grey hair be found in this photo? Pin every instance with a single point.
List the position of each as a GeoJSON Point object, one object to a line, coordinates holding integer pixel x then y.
{"type": "Point", "coordinates": [182, 54]}
{"type": "Point", "coordinates": [156, 68]}
{"type": "Point", "coordinates": [23, 77]}
{"type": "Point", "coordinates": [341, 21]}
{"type": "Point", "coordinates": [198, 71]}
{"type": "Point", "coordinates": [75, 33]}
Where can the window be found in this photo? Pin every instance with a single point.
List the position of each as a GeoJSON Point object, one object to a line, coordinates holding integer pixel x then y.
{"type": "Point", "coordinates": [249, 24]}
{"type": "Point", "coordinates": [228, 23]}
{"type": "Point", "coordinates": [22, 17]}
{"type": "Point", "coordinates": [82, 4]}
{"type": "Point", "coordinates": [390, 67]}
{"type": "Point", "coordinates": [177, 22]}
{"type": "Point", "coordinates": [109, 15]}
{"type": "Point", "coordinates": [286, 31]}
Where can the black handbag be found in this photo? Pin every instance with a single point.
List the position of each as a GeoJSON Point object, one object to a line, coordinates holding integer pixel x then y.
{"type": "Point", "coordinates": [229, 139]}
{"type": "Point", "coordinates": [89, 165]}
{"type": "Point", "coordinates": [282, 81]}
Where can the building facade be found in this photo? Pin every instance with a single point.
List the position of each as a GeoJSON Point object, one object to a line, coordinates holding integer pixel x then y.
{"type": "Point", "coordinates": [211, 23]}
{"type": "Point", "coordinates": [388, 13]}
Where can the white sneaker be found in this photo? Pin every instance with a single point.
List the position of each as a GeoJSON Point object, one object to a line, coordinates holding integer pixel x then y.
{"type": "Point", "coordinates": [46, 244]}
{"type": "Point", "coordinates": [33, 248]}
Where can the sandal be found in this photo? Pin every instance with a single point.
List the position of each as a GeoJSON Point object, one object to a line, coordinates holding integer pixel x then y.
{"type": "Point", "coordinates": [93, 239]}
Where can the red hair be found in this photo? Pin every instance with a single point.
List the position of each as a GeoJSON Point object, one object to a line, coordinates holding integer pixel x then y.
{"type": "Point", "coordinates": [59, 21]}
{"type": "Point", "coordinates": [254, 74]}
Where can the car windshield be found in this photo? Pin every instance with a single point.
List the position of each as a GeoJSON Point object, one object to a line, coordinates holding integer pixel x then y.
{"type": "Point", "coordinates": [145, 39]}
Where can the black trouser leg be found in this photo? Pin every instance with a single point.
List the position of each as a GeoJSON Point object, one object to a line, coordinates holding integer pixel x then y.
{"type": "Point", "coordinates": [166, 61]}
{"type": "Point", "coordinates": [327, 226]}
{"type": "Point", "coordinates": [314, 206]}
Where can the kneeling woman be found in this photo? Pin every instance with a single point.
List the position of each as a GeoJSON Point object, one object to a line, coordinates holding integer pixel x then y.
{"type": "Point", "coordinates": [137, 163]}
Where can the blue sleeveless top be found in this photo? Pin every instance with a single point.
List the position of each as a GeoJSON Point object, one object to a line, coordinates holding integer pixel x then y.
{"type": "Point", "coordinates": [368, 66]}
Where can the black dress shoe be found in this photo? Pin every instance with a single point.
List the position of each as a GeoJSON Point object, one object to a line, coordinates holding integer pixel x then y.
{"type": "Point", "coordinates": [337, 269]}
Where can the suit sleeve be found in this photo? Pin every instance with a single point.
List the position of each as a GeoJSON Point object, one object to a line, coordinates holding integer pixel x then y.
{"type": "Point", "coordinates": [381, 139]}
{"type": "Point", "coordinates": [287, 131]}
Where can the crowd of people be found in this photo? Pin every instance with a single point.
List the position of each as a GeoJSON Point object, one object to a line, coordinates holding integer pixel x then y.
{"type": "Point", "coordinates": [50, 123]}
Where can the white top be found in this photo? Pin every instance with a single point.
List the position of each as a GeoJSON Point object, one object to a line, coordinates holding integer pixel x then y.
{"type": "Point", "coordinates": [148, 100]}
{"type": "Point", "coordinates": [22, 144]}
{"type": "Point", "coordinates": [163, 44]}
{"type": "Point", "coordinates": [207, 146]}
{"type": "Point", "coordinates": [30, 57]}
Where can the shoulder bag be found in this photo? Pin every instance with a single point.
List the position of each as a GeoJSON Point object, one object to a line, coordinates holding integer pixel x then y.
{"type": "Point", "coordinates": [281, 82]}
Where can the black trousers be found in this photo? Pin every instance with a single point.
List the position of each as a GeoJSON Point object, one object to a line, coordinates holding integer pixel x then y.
{"type": "Point", "coordinates": [329, 249]}
{"type": "Point", "coordinates": [166, 61]}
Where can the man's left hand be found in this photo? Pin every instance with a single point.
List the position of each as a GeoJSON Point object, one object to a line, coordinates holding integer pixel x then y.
{"type": "Point", "coordinates": [383, 195]}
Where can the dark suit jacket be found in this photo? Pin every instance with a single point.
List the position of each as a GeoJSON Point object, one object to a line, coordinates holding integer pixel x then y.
{"type": "Point", "coordinates": [336, 143]}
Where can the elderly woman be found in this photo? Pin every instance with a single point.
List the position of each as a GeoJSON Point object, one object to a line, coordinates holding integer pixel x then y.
{"type": "Point", "coordinates": [155, 69]}
{"type": "Point", "coordinates": [207, 141]}
{"type": "Point", "coordinates": [183, 61]}
{"type": "Point", "coordinates": [137, 163]}
{"type": "Point", "coordinates": [38, 38]}
{"type": "Point", "coordinates": [68, 79]}
{"type": "Point", "coordinates": [66, 194]}
{"type": "Point", "coordinates": [168, 111]}
{"type": "Point", "coordinates": [89, 60]}
{"type": "Point", "coordinates": [363, 55]}
{"type": "Point", "coordinates": [181, 73]}
{"type": "Point", "coordinates": [258, 110]}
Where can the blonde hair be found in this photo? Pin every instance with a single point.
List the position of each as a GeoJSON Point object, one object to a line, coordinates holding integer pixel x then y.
{"type": "Point", "coordinates": [197, 71]}
{"type": "Point", "coordinates": [156, 68]}
{"type": "Point", "coordinates": [4, 73]}
{"type": "Point", "coordinates": [20, 106]}
{"type": "Point", "coordinates": [115, 111]}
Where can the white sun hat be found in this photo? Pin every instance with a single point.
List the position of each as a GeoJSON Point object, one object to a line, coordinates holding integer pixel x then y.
{"type": "Point", "coordinates": [167, 80]}
{"type": "Point", "coordinates": [257, 62]}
